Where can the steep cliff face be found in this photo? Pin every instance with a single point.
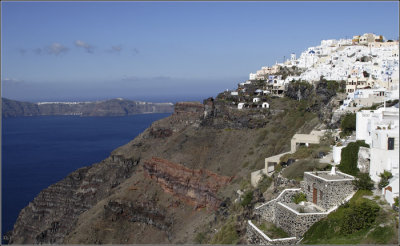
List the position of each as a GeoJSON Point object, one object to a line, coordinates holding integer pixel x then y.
{"type": "Point", "coordinates": [203, 154]}
{"type": "Point", "coordinates": [196, 187]}
{"type": "Point", "coordinates": [114, 107]}
{"type": "Point", "coordinates": [53, 212]}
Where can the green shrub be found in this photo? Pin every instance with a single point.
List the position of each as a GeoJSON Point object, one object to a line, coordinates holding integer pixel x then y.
{"type": "Point", "coordinates": [349, 157]}
{"type": "Point", "coordinates": [363, 182]}
{"type": "Point", "coordinates": [278, 168]}
{"type": "Point", "coordinates": [248, 196]}
{"type": "Point", "coordinates": [396, 201]}
{"type": "Point", "coordinates": [359, 215]}
{"type": "Point", "coordinates": [349, 224]}
{"type": "Point", "coordinates": [299, 197]}
{"type": "Point", "coordinates": [348, 124]}
{"type": "Point", "coordinates": [385, 176]}
{"type": "Point", "coordinates": [264, 183]}
{"type": "Point", "coordinates": [200, 238]}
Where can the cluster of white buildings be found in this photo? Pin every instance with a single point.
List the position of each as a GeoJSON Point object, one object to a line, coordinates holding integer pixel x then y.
{"type": "Point", "coordinates": [380, 130]}
{"type": "Point", "coordinates": [344, 58]}
{"type": "Point", "coordinates": [368, 65]}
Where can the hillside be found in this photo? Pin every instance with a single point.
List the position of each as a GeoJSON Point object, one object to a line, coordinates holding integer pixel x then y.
{"type": "Point", "coordinates": [175, 179]}
{"type": "Point", "coordinates": [114, 107]}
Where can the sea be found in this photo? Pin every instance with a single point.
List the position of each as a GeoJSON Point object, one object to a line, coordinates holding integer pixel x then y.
{"type": "Point", "coordinates": [40, 151]}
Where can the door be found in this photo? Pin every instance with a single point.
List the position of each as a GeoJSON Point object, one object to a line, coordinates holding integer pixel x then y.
{"type": "Point", "coordinates": [314, 196]}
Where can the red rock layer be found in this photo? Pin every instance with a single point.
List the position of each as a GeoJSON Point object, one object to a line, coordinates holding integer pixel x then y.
{"type": "Point", "coordinates": [197, 187]}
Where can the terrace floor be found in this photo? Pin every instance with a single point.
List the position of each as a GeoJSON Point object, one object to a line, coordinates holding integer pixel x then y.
{"type": "Point", "coordinates": [305, 207]}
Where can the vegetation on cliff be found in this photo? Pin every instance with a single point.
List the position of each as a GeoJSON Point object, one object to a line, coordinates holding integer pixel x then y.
{"type": "Point", "coordinates": [349, 157]}
{"type": "Point", "coordinates": [360, 221]}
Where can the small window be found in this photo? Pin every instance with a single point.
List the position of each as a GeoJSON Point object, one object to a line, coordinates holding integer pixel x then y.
{"type": "Point", "coordinates": [320, 195]}
{"type": "Point", "coordinates": [308, 188]}
{"type": "Point", "coordinates": [390, 143]}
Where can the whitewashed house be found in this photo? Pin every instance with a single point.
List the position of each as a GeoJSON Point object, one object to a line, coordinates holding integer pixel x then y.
{"type": "Point", "coordinates": [256, 99]}
{"type": "Point", "coordinates": [241, 105]}
{"type": "Point", "coordinates": [265, 105]}
{"type": "Point", "coordinates": [380, 129]}
{"type": "Point", "coordinates": [384, 151]}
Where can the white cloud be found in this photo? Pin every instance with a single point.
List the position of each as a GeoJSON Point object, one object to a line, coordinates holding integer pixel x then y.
{"type": "Point", "coordinates": [88, 48]}
{"type": "Point", "coordinates": [116, 48]}
{"type": "Point", "coordinates": [55, 49]}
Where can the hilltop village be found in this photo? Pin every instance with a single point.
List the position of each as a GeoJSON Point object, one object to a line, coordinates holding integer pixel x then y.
{"type": "Point", "coordinates": [303, 152]}
{"type": "Point", "coordinates": [365, 70]}
{"type": "Point", "coordinates": [366, 66]}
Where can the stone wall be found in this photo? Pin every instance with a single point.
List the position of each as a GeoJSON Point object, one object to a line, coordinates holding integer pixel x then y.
{"type": "Point", "coordinates": [256, 236]}
{"type": "Point", "coordinates": [294, 223]}
{"type": "Point", "coordinates": [267, 210]}
{"type": "Point", "coordinates": [363, 162]}
{"type": "Point", "coordinates": [333, 191]}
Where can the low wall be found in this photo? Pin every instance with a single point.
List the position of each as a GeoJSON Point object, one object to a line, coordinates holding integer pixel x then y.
{"type": "Point", "coordinates": [256, 236]}
{"type": "Point", "coordinates": [267, 210]}
{"type": "Point", "coordinates": [290, 220]}
{"type": "Point", "coordinates": [294, 223]}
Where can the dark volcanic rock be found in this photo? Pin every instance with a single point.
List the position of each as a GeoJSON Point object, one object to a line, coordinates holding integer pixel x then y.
{"type": "Point", "coordinates": [145, 212]}
{"type": "Point", "coordinates": [53, 213]}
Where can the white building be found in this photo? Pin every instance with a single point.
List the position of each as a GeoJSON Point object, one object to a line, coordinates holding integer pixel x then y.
{"type": "Point", "coordinates": [391, 190]}
{"type": "Point", "coordinates": [265, 105]}
{"type": "Point", "coordinates": [256, 99]}
{"type": "Point", "coordinates": [368, 120]}
{"type": "Point", "coordinates": [384, 151]}
{"type": "Point", "coordinates": [240, 105]}
{"type": "Point", "coordinates": [380, 129]}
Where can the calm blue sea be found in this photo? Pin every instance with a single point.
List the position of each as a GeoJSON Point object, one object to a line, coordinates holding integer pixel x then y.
{"type": "Point", "coordinates": [39, 151]}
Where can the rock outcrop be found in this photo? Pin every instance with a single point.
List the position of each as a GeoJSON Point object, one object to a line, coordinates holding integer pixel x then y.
{"type": "Point", "coordinates": [196, 187]}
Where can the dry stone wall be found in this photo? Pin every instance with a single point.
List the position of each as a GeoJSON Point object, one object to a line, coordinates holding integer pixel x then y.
{"type": "Point", "coordinates": [294, 223]}
{"type": "Point", "coordinates": [267, 210]}
{"type": "Point", "coordinates": [256, 236]}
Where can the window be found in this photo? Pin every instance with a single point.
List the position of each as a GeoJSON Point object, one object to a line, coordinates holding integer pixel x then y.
{"type": "Point", "coordinates": [308, 188]}
{"type": "Point", "coordinates": [390, 143]}
{"type": "Point", "coordinates": [320, 195]}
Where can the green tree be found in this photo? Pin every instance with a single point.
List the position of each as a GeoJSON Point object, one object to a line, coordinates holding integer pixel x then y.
{"type": "Point", "coordinates": [363, 182]}
{"type": "Point", "coordinates": [247, 198]}
{"type": "Point", "coordinates": [348, 124]}
{"type": "Point", "coordinates": [349, 157]}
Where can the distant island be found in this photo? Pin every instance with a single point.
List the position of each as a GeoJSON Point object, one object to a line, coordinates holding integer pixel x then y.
{"type": "Point", "coordinates": [113, 107]}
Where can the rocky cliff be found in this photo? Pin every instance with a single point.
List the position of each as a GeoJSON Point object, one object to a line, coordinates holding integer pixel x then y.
{"type": "Point", "coordinates": [169, 182]}
{"type": "Point", "coordinates": [114, 107]}
{"type": "Point", "coordinates": [195, 187]}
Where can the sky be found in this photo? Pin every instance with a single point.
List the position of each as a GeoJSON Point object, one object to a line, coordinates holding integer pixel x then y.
{"type": "Point", "coordinates": [164, 51]}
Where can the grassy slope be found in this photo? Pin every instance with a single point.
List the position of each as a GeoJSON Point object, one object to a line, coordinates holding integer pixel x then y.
{"type": "Point", "coordinates": [383, 231]}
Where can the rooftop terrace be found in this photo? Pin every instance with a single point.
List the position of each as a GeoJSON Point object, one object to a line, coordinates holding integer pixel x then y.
{"type": "Point", "coordinates": [327, 176]}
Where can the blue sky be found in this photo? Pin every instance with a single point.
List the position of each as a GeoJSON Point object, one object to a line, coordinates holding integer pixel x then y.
{"type": "Point", "coordinates": [164, 51]}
